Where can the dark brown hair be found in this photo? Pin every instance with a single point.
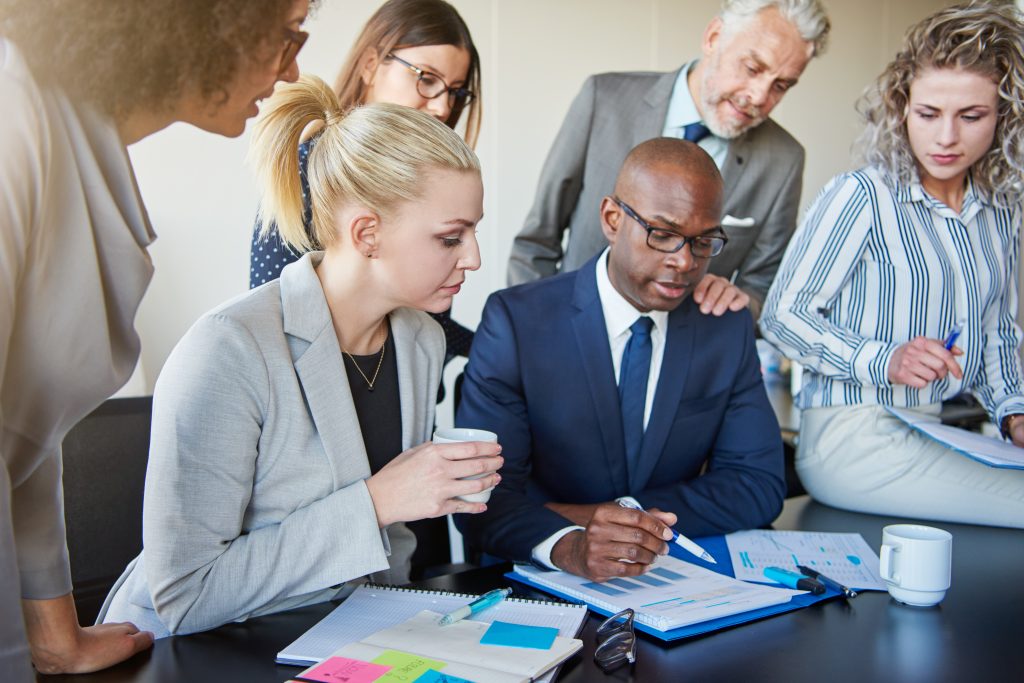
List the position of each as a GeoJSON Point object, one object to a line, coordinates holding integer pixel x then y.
{"type": "Point", "coordinates": [412, 23]}
{"type": "Point", "coordinates": [128, 55]}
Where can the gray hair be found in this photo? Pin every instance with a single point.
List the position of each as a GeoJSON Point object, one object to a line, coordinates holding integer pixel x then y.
{"type": "Point", "coordinates": [808, 16]}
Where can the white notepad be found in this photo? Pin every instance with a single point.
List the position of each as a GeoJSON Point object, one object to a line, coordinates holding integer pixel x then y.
{"type": "Point", "coordinates": [984, 449]}
{"type": "Point", "coordinates": [372, 608]}
{"type": "Point", "coordinates": [459, 646]}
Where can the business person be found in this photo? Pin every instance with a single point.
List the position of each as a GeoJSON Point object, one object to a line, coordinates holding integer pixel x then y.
{"type": "Point", "coordinates": [752, 53]}
{"type": "Point", "coordinates": [289, 423]}
{"type": "Point", "coordinates": [79, 82]}
{"type": "Point", "coordinates": [608, 381]}
{"type": "Point", "coordinates": [418, 53]}
{"type": "Point", "coordinates": [891, 258]}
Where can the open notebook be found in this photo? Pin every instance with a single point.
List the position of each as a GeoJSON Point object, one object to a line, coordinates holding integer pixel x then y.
{"type": "Point", "coordinates": [371, 608]}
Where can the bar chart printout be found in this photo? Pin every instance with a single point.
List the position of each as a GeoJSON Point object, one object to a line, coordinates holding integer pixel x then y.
{"type": "Point", "coordinates": [847, 558]}
{"type": "Point", "coordinates": [672, 594]}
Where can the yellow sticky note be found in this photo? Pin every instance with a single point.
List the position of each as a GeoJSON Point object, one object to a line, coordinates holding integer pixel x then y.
{"type": "Point", "coordinates": [405, 668]}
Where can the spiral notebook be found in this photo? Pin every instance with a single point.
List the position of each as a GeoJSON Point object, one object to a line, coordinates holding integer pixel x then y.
{"type": "Point", "coordinates": [372, 608]}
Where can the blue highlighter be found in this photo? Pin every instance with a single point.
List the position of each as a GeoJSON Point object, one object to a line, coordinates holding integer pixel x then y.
{"type": "Point", "coordinates": [794, 580]}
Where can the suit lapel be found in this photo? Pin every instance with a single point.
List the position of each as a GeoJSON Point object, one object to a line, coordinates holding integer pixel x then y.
{"type": "Point", "coordinates": [650, 119]}
{"type": "Point", "coordinates": [737, 160]}
{"type": "Point", "coordinates": [320, 368]}
{"type": "Point", "coordinates": [674, 369]}
{"type": "Point", "coordinates": [414, 397]}
{"type": "Point", "coordinates": [596, 356]}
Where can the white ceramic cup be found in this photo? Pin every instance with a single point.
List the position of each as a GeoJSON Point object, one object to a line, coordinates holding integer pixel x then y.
{"type": "Point", "coordinates": [915, 563]}
{"type": "Point", "coordinates": [458, 435]}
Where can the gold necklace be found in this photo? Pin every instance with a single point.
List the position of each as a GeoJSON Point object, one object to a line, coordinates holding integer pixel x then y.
{"type": "Point", "coordinates": [380, 363]}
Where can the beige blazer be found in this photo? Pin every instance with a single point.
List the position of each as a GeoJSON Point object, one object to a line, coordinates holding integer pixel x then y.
{"type": "Point", "coordinates": [255, 493]}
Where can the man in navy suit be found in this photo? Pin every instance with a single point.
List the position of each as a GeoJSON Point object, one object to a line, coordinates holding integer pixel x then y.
{"type": "Point", "coordinates": [591, 402]}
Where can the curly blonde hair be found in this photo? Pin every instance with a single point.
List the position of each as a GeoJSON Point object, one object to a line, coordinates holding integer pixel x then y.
{"type": "Point", "coordinates": [982, 38]}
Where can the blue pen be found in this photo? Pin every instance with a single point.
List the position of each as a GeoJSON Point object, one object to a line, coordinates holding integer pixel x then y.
{"type": "Point", "coordinates": [486, 600]}
{"type": "Point", "coordinates": [794, 580]}
{"type": "Point", "coordinates": [953, 335]}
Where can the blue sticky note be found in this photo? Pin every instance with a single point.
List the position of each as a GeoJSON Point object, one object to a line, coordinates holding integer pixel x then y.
{"type": "Point", "coordinates": [518, 635]}
{"type": "Point", "coordinates": [434, 676]}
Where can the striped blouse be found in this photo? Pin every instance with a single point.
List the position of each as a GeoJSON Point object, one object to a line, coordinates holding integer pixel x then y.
{"type": "Point", "coordinates": [874, 265]}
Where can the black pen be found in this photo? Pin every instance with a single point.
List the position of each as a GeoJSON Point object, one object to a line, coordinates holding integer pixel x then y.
{"type": "Point", "coordinates": [831, 583]}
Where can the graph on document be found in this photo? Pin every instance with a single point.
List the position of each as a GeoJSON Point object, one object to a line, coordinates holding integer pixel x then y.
{"type": "Point", "coordinates": [847, 558]}
{"type": "Point", "coordinates": [672, 593]}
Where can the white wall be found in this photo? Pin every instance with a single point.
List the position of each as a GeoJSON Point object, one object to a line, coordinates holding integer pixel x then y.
{"type": "Point", "coordinates": [535, 54]}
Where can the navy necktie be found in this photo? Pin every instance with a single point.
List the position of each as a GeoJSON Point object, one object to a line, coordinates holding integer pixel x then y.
{"type": "Point", "coordinates": [636, 365]}
{"type": "Point", "coordinates": [695, 132]}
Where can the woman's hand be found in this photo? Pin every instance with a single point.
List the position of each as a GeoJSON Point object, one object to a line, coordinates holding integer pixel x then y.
{"type": "Point", "coordinates": [60, 646]}
{"type": "Point", "coordinates": [921, 361]}
{"type": "Point", "coordinates": [423, 481]}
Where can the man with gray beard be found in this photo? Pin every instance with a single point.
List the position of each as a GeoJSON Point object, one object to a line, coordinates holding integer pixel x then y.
{"type": "Point", "coordinates": [752, 53]}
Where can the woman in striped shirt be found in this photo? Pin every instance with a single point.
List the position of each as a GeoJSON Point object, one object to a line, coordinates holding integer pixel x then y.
{"type": "Point", "coordinates": [893, 260]}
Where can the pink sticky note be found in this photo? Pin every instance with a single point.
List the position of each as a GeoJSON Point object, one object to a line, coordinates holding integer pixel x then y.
{"type": "Point", "coordinates": [344, 670]}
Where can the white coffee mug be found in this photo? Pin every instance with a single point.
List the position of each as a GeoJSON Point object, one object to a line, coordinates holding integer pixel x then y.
{"type": "Point", "coordinates": [915, 563]}
{"type": "Point", "coordinates": [458, 435]}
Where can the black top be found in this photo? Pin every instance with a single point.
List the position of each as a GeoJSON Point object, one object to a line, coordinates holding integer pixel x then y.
{"type": "Point", "coordinates": [268, 256]}
{"type": "Point", "coordinates": [380, 410]}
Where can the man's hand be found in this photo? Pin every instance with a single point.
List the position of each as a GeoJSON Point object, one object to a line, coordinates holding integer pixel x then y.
{"type": "Point", "coordinates": [59, 645]}
{"type": "Point", "coordinates": [617, 541]}
{"type": "Point", "coordinates": [921, 361]}
{"type": "Point", "coordinates": [716, 295]}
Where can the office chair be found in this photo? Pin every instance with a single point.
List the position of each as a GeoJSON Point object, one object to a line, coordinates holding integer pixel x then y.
{"type": "Point", "coordinates": [105, 459]}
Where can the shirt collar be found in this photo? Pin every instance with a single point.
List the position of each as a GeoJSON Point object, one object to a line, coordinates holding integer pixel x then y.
{"type": "Point", "coordinates": [682, 110]}
{"type": "Point", "coordinates": [619, 314]}
{"type": "Point", "coordinates": [973, 202]}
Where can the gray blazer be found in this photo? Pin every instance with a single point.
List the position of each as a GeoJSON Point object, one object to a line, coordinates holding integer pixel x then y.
{"type": "Point", "coordinates": [256, 499]}
{"type": "Point", "coordinates": [614, 112]}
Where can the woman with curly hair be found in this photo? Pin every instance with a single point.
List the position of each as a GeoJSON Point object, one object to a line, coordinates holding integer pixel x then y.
{"type": "Point", "coordinates": [417, 53]}
{"type": "Point", "coordinates": [899, 289]}
{"type": "Point", "coordinates": [78, 82]}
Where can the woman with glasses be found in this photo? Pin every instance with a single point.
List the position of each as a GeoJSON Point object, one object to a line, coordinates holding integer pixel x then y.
{"type": "Point", "coordinates": [291, 425]}
{"type": "Point", "coordinates": [899, 289]}
{"type": "Point", "coordinates": [78, 82]}
{"type": "Point", "coordinates": [417, 53]}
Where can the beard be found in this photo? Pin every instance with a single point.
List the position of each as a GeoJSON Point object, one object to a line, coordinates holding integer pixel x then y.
{"type": "Point", "coordinates": [711, 98]}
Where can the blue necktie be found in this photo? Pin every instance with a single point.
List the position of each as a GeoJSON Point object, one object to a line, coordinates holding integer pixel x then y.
{"type": "Point", "coordinates": [636, 365]}
{"type": "Point", "coordinates": [695, 132]}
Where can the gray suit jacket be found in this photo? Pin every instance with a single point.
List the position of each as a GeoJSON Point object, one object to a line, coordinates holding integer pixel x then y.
{"type": "Point", "coordinates": [612, 114]}
{"type": "Point", "coordinates": [255, 493]}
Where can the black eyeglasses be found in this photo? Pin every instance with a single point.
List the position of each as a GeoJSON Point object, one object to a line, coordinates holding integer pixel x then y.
{"type": "Point", "coordinates": [616, 641]}
{"type": "Point", "coordinates": [660, 239]}
{"type": "Point", "coordinates": [429, 85]}
{"type": "Point", "coordinates": [294, 40]}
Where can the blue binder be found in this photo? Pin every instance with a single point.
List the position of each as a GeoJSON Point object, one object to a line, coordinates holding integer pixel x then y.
{"type": "Point", "coordinates": [715, 545]}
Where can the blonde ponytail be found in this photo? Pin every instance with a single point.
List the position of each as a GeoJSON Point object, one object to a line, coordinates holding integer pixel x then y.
{"type": "Point", "coordinates": [274, 152]}
{"type": "Point", "coordinates": [375, 156]}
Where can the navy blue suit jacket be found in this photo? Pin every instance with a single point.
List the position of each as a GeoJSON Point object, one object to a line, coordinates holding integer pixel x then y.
{"type": "Point", "coordinates": [540, 376]}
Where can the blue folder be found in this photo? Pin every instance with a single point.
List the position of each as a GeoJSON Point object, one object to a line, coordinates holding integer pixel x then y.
{"type": "Point", "coordinates": [715, 545]}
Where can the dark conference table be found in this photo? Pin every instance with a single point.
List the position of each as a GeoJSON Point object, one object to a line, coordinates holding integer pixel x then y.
{"type": "Point", "coordinates": [976, 634]}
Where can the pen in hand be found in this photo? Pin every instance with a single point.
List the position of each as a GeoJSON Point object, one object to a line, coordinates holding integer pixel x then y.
{"type": "Point", "coordinates": [680, 540]}
{"type": "Point", "coordinates": [953, 335]}
{"type": "Point", "coordinates": [486, 600]}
